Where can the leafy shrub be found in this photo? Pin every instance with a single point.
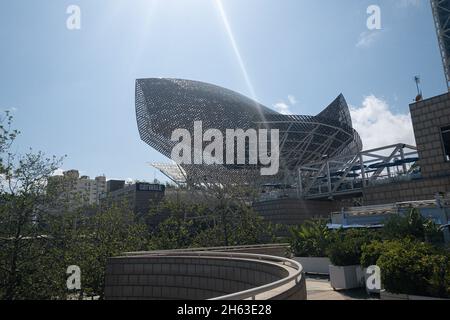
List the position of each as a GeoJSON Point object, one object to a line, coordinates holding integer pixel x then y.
{"type": "Point", "coordinates": [371, 252]}
{"type": "Point", "coordinates": [414, 226]}
{"type": "Point", "coordinates": [310, 239]}
{"type": "Point", "coordinates": [439, 281]}
{"type": "Point", "coordinates": [346, 245]}
{"type": "Point", "coordinates": [410, 267]}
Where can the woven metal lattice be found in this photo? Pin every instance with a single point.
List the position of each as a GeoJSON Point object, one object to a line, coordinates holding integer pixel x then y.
{"type": "Point", "coordinates": [163, 105]}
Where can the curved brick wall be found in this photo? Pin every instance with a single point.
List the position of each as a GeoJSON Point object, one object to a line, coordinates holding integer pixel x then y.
{"type": "Point", "coordinates": [194, 278]}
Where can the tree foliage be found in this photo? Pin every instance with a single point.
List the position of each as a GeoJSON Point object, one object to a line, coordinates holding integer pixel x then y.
{"type": "Point", "coordinates": [41, 234]}
{"type": "Point", "coordinates": [44, 229]}
{"type": "Point", "coordinates": [237, 225]}
{"type": "Point", "coordinates": [23, 238]}
{"type": "Point", "coordinates": [187, 226]}
{"type": "Point", "coordinates": [110, 232]}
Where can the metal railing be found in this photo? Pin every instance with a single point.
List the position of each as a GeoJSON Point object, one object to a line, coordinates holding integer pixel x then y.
{"type": "Point", "coordinates": [214, 249]}
{"type": "Point", "coordinates": [253, 293]}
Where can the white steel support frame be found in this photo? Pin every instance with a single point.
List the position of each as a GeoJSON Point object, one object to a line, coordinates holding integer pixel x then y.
{"type": "Point", "coordinates": [172, 171]}
{"type": "Point", "coordinates": [308, 139]}
{"type": "Point", "coordinates": [315, 175]}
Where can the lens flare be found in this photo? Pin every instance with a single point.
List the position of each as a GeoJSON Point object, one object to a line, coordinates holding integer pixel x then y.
{"type": "Point", "coordinates": [235, 48]}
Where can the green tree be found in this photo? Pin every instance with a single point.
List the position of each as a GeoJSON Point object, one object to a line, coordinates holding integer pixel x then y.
{"type": "Point", "coordinates": [237, 225]}
{"type": "Point", "coordinates": [43, 228]}
{"type": "Point", "coordinates": [108, 233]}
{"type": "Point", "coordinates": [23, 198]}
{"type": "Point", "coordinates": [177, 225]}
{"type": "Point", "coordinates": [173, 233]}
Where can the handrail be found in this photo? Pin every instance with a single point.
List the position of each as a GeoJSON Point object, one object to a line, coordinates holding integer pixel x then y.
{"type": "Point", "coordinates": [215, 249]}
{"type": "Point", "coordinates": [251, 293]}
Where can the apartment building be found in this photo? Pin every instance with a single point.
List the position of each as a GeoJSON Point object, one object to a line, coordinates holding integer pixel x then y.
{"type": "Point", "coordinates": [80, 190]}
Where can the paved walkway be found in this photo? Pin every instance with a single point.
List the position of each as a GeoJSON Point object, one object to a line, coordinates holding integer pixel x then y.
{"type": "Point", "coordinates": [320, 289]}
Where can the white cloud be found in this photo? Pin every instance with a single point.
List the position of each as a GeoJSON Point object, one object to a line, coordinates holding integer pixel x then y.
{"type": "Point", "coordinates": [368, 38]}
{"type": "Point", "coordinates": [378, 126]}
{"type": "Point", "coordinates": [292, 99]}
{"type": "Point", "coordinates": [285, 108]}
{"type": "Point", "coordinates": [282, 108]}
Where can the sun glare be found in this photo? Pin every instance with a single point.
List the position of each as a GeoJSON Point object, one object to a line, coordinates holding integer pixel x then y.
{"type": "Point", "coordinates": [235, 48]}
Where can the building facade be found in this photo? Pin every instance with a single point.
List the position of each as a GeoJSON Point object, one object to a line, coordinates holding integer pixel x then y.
{"type": "Point", "coordinates": [79, 190]}
{"type": "Point", "coordinates": [139, 197]}
{"type": "Point", "coordinates": [431, 122]}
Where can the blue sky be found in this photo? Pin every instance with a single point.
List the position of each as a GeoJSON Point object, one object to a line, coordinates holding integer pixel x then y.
{"type": "Point", "coordinates": [72, 92]}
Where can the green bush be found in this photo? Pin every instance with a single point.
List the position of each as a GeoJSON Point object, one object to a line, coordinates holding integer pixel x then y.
{"type": "Point", "coordinates": [310, 239]}
{"type": "Point", "coordinates": [410, 267]}
{"type": "Point", "coordinates": [439, 281]}
{"type": "Point", "coordinates": [346, 245]}
{"type": "Point", "coordinates": [414, 226]}
{"type": "Point", "coordinates": [370, 252]}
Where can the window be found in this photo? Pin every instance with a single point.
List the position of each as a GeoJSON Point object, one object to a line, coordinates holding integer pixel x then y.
{"type": "Point", "coordinates": [445, 133]}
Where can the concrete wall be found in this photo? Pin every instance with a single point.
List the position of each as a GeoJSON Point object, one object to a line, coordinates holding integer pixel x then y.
{"type": "Point", "coordinates": [191, 278]}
